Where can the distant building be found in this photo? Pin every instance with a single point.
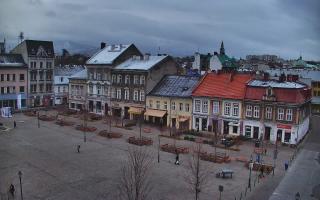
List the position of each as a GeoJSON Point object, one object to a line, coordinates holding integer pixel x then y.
{"type": "Point", "coordinates": [170, 102]}
{"type": "Point", "coordinates": [133, 79]}
{"type": "Point", "coordinates": [277, 111]}
{"type": "Point", "coordinates": [78, 90]}
{"type": "Point", "coordinates": [99, 74]}
{"type": "Point", "coordinates": [3, 47]}
{"type": "Point", "coordinates": [39, 56]}
{"type": "Point", "coordinates": [61, 82]}
{"type": "Point", "coordinates": [13, 81]}
{"type": "Point", "coordinates": [217, 61]}
{"type": "Point", "coordinates": [265, 57]}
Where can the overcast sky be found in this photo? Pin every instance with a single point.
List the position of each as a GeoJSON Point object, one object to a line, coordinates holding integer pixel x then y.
{"type": "Point", "coordinates": [179, 27]}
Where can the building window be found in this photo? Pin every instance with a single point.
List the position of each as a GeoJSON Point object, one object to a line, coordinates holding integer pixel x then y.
{"type": "Point", "coordinates": [173, 105]}
{"type": "Point", "coordinates": [114, 78]}
{"type": "Point", "coordinates": [127, 79]}
{"type": "Point", "coordinates": [8, 77]}
{"type": "Point", "coordinates": [280, 113]}
{"type": "Point", "coordinates": [289, 115]}
{"type": "Point", "coordinates": [21, 89]}
{"type": "Point", "coordinates": [205, 106]}
{"type": "Point", "coordinates": [13, 77]}
{"type": "Point", "coordinates": [227, 107]}
{"type": "Point", "coordinates": [48, 65]}
{"type": "Point", "coordinates": [256, 111]}
{"type": "Point", "coordinates": [99, 77]}
{"type": "Point", "coordinates": [142, 79]}
{"type": "Point", "coordinates": [268, 112]}
{"type": "Point", "coordinates": [41, 88]}
{"type": "Point", "coordinates": [135, 95]}
{"type": "Point", "coordinates": [248, 111]}
{"type": "Point", "coordinates": [41, 65]}
{"type": "Point", "coordinates": [150, 103]}
{"type": "Point", "coordinates": [287, 136]}
{"type": "Point", "coordinates": [215, 107]}
{"type": "Point", "coordinates": [90, 89]}
{"type": "Point", "coordinates": [181, 106]}
{"type": "Point", "coordinates": [118, 93]}
{"type": "Point", "coordinates": [106, 92]}
{"type": "Point", "coordinates": [158, 104]}
{"type": "Point", "coordinates": [187, 107]}
{"type": "Point", "coordinates": [2, 77]}
{"type": "Point", "coordinates": [48, 87]}
{"type": "Point", "coordinates": [21, 77]}
{"type": "Point", "coordinates": [98, 89]}
{"type": "Point", "coordinates": [126, 94]}
{"type": "Point", "coordinates": [248, 131]}
{"type": "Point", "coordinates": [141, 95]}
{"type": "Point", "coordinates": [197, 105]}
{"type": "Point", "coordinates": [58, 88]}
{"type": "Point", "coordinates": [136, 79]}
{"type": "Point", "coordinates": [235, 109]}
{"type": "Point", "coordinates": [113, 93]}
{"type": "Point", "coordinates": [119, 80]}
{"type": "Point", "coordinates": [165, 105]}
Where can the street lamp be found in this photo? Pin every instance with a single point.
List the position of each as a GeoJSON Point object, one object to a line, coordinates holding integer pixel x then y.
{"type": "Point", "coordinates": [20, 176]}
{"type": "Point", "coordinates": [250, 170]}
{"type": "Point", "coordinates": [38, 120]}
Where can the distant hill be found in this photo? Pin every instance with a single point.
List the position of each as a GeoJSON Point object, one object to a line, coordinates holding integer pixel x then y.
{"type": "Point", "coordinates": [74, 48]}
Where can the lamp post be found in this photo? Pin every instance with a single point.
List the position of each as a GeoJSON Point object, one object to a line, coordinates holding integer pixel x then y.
{"type": "Point", "coordinates": [250, 170]}
{"type": "Point", "coordinates": [220, 191]}
{"type": "Point", "coordinates": [158, 149]}
{"type": "Point", "coordinates": [38, 119]}
{"type": "Point", "coordinates": [20, 176]}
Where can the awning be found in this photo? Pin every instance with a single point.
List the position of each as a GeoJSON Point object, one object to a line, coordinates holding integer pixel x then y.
{"type": "Point", "coordinates": [135, 110]}
{"type": "Point", "coordinates": [155, 113]}
{"type": "Point", "coordinates": [183, 118]}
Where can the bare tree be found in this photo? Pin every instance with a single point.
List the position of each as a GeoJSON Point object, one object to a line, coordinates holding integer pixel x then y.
{"type": "Point", "coordinates": [135, 177]}
{"type": "Point", "coordinates": [197, 175]}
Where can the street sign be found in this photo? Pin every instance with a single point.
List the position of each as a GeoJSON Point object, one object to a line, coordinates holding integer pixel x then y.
{"type": "Point", "coordinates": [220, 188]}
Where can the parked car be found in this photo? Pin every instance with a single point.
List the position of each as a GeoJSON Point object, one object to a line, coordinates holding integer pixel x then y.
{"type": "Point", "coordinates": [228, 142]}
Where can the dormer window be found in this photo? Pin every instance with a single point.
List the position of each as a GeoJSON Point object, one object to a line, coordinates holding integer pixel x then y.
{"type": "Point", "coordinates": [269, 92]}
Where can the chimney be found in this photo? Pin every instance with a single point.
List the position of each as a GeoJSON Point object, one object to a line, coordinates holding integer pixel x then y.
{"type": "Point", "coordinates": [266, 76]}
{"type": "Point", "coordinates": [146, 56]}
{"type": "Point", "coordinates": [282, 77]}
{"type": "Point", "coordinates": [295, 78]}
{"type": "Point", "coordinates": [231, 77]}
{"type": "Point", "coordinates": [289, 77]}
{"type": "Point", "coordinates": [102, 45]}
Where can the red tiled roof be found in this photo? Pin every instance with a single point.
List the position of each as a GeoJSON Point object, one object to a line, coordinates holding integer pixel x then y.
{"type": "Point", "coordinates": [285, 95]}
{"type": "Point", "coordinates": [223, 86]}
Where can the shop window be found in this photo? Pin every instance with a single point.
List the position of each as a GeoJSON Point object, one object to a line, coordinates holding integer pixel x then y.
{"type": "Point", "coordinates": [287, 137]}
{"type": "Point", "coordinates": [248, 131]}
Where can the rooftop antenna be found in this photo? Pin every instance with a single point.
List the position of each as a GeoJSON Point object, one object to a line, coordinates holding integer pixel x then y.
{"type": "Point", "coordinates": [158, 50]}
{"type": "Point", "coordinates": [21, 36]}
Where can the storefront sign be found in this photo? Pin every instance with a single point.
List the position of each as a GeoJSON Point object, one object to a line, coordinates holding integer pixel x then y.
{"type": "Point", "coordinates": [284, 126]}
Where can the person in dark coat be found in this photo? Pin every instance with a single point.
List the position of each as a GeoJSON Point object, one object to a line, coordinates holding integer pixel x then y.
{"type": "Point", "coordinates": [14, 124]}
{"type": "Point", "coordinates": [12, 190]}
{"type": "Point", "coordinates": [177, 158]}
{"type": "Point", "coordinates": [78, 148]}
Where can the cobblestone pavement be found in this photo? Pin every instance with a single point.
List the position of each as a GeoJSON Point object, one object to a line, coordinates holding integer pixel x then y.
{"type": "Point", "coordinates": [52, 169]}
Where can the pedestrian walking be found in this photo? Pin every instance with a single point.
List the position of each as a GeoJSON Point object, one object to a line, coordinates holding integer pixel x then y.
{"type": "Point", "coordinates": [78, 148]}
{"type": "Point", "coordinates": [265, 151]}
{"type": "Point", "coordinates": [262, 170]}
{"type": "Point", "coordinates": [177, 158]}
{"type": "Point", "coordinates": [286, 165]}
{"type": "Point", "coordinates": [11, 190]}
{"type": "Point", "coordinates": [14, 124]}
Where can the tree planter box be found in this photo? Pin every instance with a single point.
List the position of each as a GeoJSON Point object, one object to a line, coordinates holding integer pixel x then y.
{"type": "Point", "coordinates": [174, 149]}
{"type": "Point", "coordinates": [105, 133]}
{"type": "Point", "coordinates": [257, 167]}
{"type": "Point", "coordinates": [30, 114]}
{"type": "Point", "coordinates": [87, 128]}
{"type": "Point", "coordinates": [62, 122]}
{"type": "Point", "coordinates": [218, 158]}
{"type": "Point", "coordinates": [46, 118]}
{"type": "Point", "coordinates": [143, 141]}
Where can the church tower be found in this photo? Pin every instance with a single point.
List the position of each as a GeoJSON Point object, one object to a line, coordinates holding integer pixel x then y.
{"type": "Point", "coordinates": [222, 52]}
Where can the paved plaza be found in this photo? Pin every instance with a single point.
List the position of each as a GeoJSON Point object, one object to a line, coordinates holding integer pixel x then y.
{"type": "Point", "coordinates": [52, 168]}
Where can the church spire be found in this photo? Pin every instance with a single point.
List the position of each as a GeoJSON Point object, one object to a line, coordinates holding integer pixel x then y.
{"type": "Point", "coordinates": [222, 52]}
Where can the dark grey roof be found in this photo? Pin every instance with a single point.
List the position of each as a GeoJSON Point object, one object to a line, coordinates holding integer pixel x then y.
{"type": "Point", "coordinates": [12, 60]}
{"type": "Point", "coordinates": [33, 47]}
{"type": "Point", "coordinates": [67, 70]}
{"type": "Point", "coordinates": [175, 86]}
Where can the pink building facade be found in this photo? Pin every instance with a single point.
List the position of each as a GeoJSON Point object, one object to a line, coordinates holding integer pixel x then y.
{"type": "Point", "coordinates": [13, 81]}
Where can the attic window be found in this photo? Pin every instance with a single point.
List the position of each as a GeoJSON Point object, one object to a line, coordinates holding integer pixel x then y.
{"type": "Point", "coordinates": [185, 88]}
{"type": "Point", "coordinates": [269, 92]}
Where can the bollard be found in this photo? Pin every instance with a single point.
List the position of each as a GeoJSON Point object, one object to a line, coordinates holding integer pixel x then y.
{"type": "Point", "coordinates": [241, 196]}
{"type": "Point", "coordinates": [245, 192]}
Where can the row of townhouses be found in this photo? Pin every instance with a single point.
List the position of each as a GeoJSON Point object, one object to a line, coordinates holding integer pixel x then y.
{"type": "Point", "coordinates": [121, 81]}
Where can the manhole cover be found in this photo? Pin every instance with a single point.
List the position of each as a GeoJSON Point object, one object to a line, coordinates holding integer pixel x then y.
{"type": "Point", "coordinates": [316, 192]}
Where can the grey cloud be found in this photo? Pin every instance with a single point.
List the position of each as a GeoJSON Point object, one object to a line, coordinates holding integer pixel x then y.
{"type": "Point", "coordinates": [283, 27]}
